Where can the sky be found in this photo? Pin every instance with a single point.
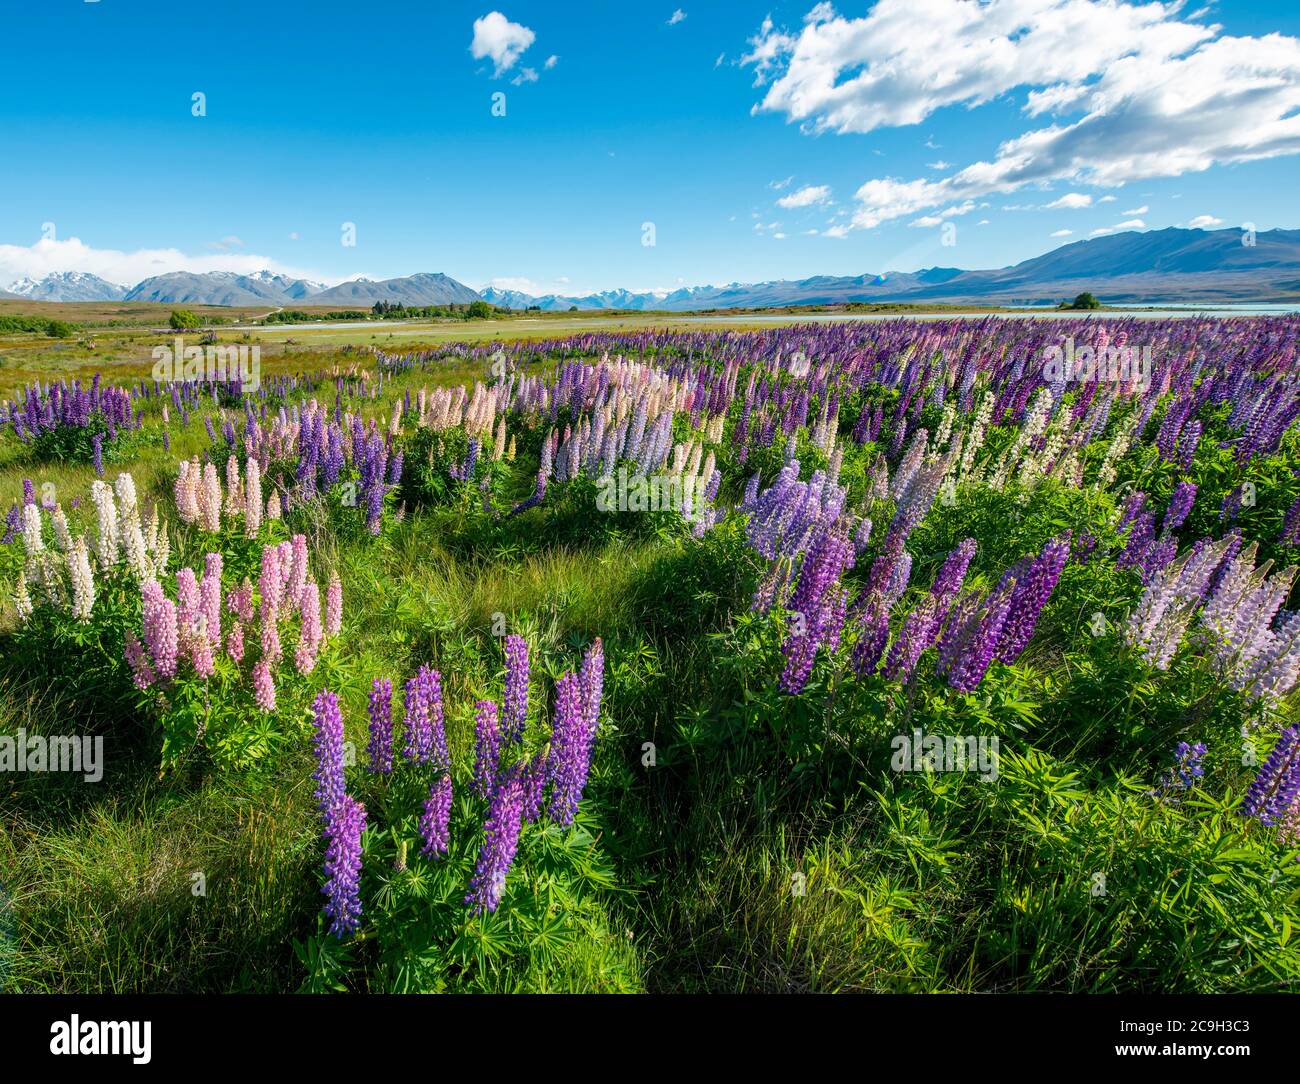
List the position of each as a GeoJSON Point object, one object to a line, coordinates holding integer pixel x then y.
{"type": "Point", "coordinates": [587, 146]}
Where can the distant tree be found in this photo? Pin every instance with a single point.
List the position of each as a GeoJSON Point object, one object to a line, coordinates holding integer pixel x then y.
{"type": "Point", "coordinates": [58, 329]}
{"type": "Point", "coordinates": [181, 319]}
{"type": "Point", "coordinates": [479, 310]}
{"type": "Point", "coordinates": [1084, 301]}
{"type": "Point", "coordinates": [573, 308]}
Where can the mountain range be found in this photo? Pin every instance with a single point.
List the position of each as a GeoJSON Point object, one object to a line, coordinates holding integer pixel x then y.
{"type": "Point", "coordinates": [1155, 266]}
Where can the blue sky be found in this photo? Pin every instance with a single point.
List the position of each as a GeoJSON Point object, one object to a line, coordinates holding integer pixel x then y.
{"type": "Point", "coordinates": [877, 125]}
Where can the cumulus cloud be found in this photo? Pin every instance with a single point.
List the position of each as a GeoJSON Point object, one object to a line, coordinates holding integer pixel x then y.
{"type": "Point", "coordinates": [46, 257]}
{"type": "Point", "coordinates": [1137, 211]}
{"type": "Point", "coordinates": [498, 39]}
{"type": "Point", "coordinates": [551, 61]}
{"type": "Point", "coordinates": [1128, 91]}
{"type": "Point", "coordinates": [1131, 224]}
{"type": "Point", "coordinates": [1071, 201]}
{"type": "Point", "coordinates": [1201, 222]}
{"type": "Point", "coordinates": [805, 196]}
{"type": "Point", "coordinates": [676, 17]}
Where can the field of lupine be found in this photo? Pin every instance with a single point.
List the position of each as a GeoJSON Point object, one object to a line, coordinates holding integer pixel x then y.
{"type": "Point", "coordinates": [849, 657]}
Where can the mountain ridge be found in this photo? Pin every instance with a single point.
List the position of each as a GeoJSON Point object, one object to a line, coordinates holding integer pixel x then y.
{"type": "Point", "coordinates": [1157, 266]}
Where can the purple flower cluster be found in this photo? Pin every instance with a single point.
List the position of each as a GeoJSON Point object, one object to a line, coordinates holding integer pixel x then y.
{"type": "Point", "coordinates": [516, 691]}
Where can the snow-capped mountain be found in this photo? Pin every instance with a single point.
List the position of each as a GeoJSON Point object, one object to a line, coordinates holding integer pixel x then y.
{"type": "Point", "coordinates": [68, 286]}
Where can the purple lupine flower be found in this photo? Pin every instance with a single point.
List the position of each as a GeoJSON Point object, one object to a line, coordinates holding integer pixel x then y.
{"type": "Point", "coordinates": [435, 823]}
{"type": "Point", "coordinates": [570, 755]}
{"type": "Point", "coordinates": [380, 748]}
{"type": "Point", "coordinates": [500, 841]}
{"type": "Point", "coordinates": [1290, 535]}
{"type": "Point", "coordinates": [591, 677]}
{"type": "Point", "coordinates": [97, 454]}
{"type": "Point", "coordinates": [487, 747]}
{"type": "Point", "coordinates": [970, 665]}
{"type": "Point", "coordinates": [343, 829]}
{"type": "Point", "coordinates": [161, 629]}
{"type": "Point", "coordinates": [1032, 591]}
{"type": "Point", "coordinates": [141, 671]}
{"type": "Point", "coordinates": [1180, 504]}
{"type": "Point", "coordinates": [515, 703]}
{"type": "Point", "coordinates": [419, 728]}
{"type": "Point", "coordinates": [431, 686]}
{"type": "Point", "coordinates": [1187, 768]}
{"type": "Point", "coordinates": [953, 573]}
{"type": "Point", "coordinates": [873, 634]}
{"type": "Point", "coordinates": [1277, 786]}
{"type": "Point", "coordinates": [327, 739]}
{"type": "Point", "coordinates": [533, 778]}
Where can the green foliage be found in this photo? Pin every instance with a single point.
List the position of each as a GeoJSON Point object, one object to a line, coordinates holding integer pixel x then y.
{"type": "Point", "coordinates": [181, 319]}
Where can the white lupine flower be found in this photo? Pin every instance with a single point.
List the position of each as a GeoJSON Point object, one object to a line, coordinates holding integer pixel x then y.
{"type": "Point", "coordinates": [273, 507]}
{"type": "Point", "coordinates": [125, 486]}
{"type": "Point", "coordinates": [32, 540]}
{"type": "Point", "coordinates": [22, 600]}
{"type": "Point", "coordinates": [62, 535]}
{"type": "Point", "coordinates": [161, 552]}
{"type": "Point", "coordinates": [253, 498]}
{"type": "Point", "coordinates": [234, 487]}
{"type": "Point", "coordinates": [83, 580]}
{"type": "Point", "coordinates": [106, 512]}
{"type": "Point", "coordinates": [137, 555]}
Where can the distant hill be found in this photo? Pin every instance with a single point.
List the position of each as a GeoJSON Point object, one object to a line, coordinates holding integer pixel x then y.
{"type": "Point", "coordinates": [413, 290]}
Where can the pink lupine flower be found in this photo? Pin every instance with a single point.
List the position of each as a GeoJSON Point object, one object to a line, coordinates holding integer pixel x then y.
{"type": "Point", "coordinates": [263, 686]}
{"type": "Point", "coordinates": [187, 600]}
{"type": "Point", "coordinates": [160, 628]}
{"type": "Point", "coordinates": [271, 584]}
{"type": "Point", "coordinates": [210, 500]}
{"type": "Point", "coordinates": [297, 577]}
{"type": "Point", "coordinates": [141, 672]}
{"type": "Point", "coordinates": [235, 642]}
{"type": "Point", "coordinates": [201, 656]}
{"type": "Point", "coordinates": [240, 602]}
{"type": "Point", "coordinates": [310, 634]}
{"type": "Point", "coordinates": [271, 650]}
{"type": "Point", "coordinates": [334, 606]}
{"type": "Point", "coordinates": [210, 596]}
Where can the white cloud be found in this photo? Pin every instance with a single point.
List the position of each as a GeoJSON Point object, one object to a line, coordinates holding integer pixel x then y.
{"type": "Point", "coordinates": [778, 185]}
{"type": "Point", "coordinates": [982, 222]}
{"type": "Point", "coordinates": [1062, 233]}
{"type": "Point", "coordinates": [940, 165]}
{"type": "Point", "coordinates": [1131, 224]}
{"type": "Point", "coordinates": [551, 61]}
{"type": "Point", "coordinates": [1071, 201]}
{"type": "Point", "coordinates": [518, 283]}
{"type": "Point", "coordinates": [835, 231]}
{"type": "Point", "coordinates": [1137, 92]}
{"type": "Point", "coordinates": [1137, 211]}
{"type": "Point", "coordinates": [293, 236]}
{"type": "Point", "coordinates": [805, 196]}
{"type": "Point", "coordinates": [721, 57]}
{"type": "Point", "coordinates": [47, 257]}
{"type": "Point", "coordinates": [951, 212]}
{"type": "Point", "coordinates": [526, 75]}
{"type": "Point", "coordinates": [1108, 199]}
{"type": "Point", "coordinates": [676, 17]}
{"type": "Point", "coordinates": [497, 38]}
{"type": "Point", "coordinates": [779, 236]}
{"type": "Point", "coordinates": [1201, 222]}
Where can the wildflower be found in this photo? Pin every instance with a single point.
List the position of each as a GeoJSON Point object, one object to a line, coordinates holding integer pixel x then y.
{"type": "Point", "coordinates": [161, 632]}
{"type": "Point", "coordinates": [327, 740]}
{"type": "Point", "coordinates": [437, 816]}
{"type": "Point", "coordinates": [141, 672]}
{"type": "Point", "coordinates": [235, 642]}
{"type": "Point", "coordinates": [515, 702]}
{"type": "Point", "coordinates": [83, 580]}
{"type": "Point", "coordinates": [487, 747]}
{"type": "Point", "coordinates": [380, 748]}
{"type": "Point", "coordinates": [1277, 785]}
{"type": "Point", "coordinates": [500, 841]}
{"type": "Point", "coordinates": [334, 606]}
{"type": "Point", "coordinates": [343, 865]}
{"type": "Point", "coordinates": [263, 685]}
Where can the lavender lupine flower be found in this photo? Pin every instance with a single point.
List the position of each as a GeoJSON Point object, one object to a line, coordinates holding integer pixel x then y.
{"type": "Point", "coordinates": [1031, 595]}
{"type": "Point", "coordinates": [434, 824]}
{"type": "Point", "coordinates": [419, 730]}
{"type": "Point", "coordinates": [591, 676]}
{"type": "Point", "coordinates": [380, 748]}
{"type": "Point", "coordinates": [1290, 535]}
{"type": "Point", "coordinates": [343, 830]}
{"type": "Point", "coordinates": [487, 747]}
{"type": "Point", "coordinates": [1180, 504]}
{"type": "Point", "coordinates": [500, 841]}
{"type": "Point", "coordinates": [431, 688]}
{"type": "Point", "coordinates": [533, 778]}
{"type": "Point", "coordinates": [327, 740]}
{"type": "Point", "coordinates": [515, 715]}
{"type": "Point", "coordinates": [979, 640]}
{"type": "Point", "coordinates": [873, 634]}
{"type": "Point", "coordinates": [1277, 786]}
{"type": "Point", "coordinates": [97, 454]}
{"type": "Point", "coordinates": [570, 755]}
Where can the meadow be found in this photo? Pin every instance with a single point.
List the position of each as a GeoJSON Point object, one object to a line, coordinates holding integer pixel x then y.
{"type": "Point", "coordinates": [875, 657]}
